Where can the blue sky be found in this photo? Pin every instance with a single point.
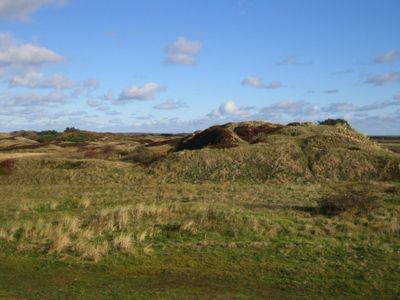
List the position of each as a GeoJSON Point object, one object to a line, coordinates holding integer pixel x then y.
{"type": "Point", "coordinates": [179, 66]}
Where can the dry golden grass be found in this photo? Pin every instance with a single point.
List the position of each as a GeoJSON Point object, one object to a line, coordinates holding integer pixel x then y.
{"type": "Point", "coordinates": [132, 228]}
{"type": "Point", "coordinates": [90, 207]}
{"type": "Point", "coordinates": [123, 242]}
{"type": "Point", "coordinates": [4, 156]}
{"type": "Point", "coordinates": [60, 241]}
{"type": "Point", "coordinates": [85, 203]}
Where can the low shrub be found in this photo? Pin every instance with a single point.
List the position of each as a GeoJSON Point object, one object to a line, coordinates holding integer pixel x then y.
{"type": "Point", "coordinates": [391, 189]}
{"type": "Point", "coordinates": [76, 137]}
{"type": "Point", "coordinates": [6, 166]}
{"type": "Point", "coordinates": [357, 201]}
{"type": "Point", "coordinates": [48, 136]}
{"type": "Point", "coordinates": [143, 156]}
{"type": "Point", "coordinates": [90, 154]}
{"type": "Point", "coordinates": [71, 165]}
{"type": "Point", "coordinates": [333, 122]}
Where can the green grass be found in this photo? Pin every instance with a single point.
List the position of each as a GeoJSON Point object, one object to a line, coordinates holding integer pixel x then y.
{"type": "Point", "coordinates": [240, 223]}
{"type": "Point", "coordinates": [249, 241]}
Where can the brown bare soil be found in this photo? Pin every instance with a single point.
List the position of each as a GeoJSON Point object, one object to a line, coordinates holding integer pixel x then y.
{"type": "Point", "coordinates": [249, 133]}
{"type": "Point", "coordinates": [216, 136]}
{"type": "Point", "coordinates": [229, 135]}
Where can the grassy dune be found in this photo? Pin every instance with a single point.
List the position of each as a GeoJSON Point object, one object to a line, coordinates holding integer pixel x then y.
{"type": "Point", "coordinates": [142, 222]}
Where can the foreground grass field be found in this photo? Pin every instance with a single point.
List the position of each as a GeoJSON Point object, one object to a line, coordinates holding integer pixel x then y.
{"type": "Point", "coordinates": [75, 227]}
{"type": "Point", "coordinates": [209, 241]}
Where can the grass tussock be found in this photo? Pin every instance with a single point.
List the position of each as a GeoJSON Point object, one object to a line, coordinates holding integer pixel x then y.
{"type": "Point", "coordinates": [350, 201]}
{"type": "Point", "coordinates": [94, 234]}
{"type": "Point", "coordinates": [123, 242]}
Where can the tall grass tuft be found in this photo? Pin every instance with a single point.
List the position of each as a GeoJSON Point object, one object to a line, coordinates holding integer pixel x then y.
{"type": "Point", "coordinates": [356, 201]}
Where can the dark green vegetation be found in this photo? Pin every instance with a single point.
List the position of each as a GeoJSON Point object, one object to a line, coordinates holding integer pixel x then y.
{"type": "Point", "coordinates": [334, 122]}
{"type": "Point", "coordinates": [279, 212]}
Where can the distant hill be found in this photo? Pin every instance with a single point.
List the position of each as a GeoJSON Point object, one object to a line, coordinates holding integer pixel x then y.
{"type": "Point", "coordinates": [245, 151]}
{"type": "Point", "coordinates": [260, 151]}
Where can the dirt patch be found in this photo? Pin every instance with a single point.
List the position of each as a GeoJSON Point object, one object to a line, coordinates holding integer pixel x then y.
{"type": "Point", "coordinates": [228, 135]}
{"type": "Point", "coordinates": [215, 136]}
{"type": "Point", "coordinates": [250, 133]}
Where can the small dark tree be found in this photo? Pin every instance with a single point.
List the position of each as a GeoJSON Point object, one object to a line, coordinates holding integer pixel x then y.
{"type": "Point", "coordinates": [333, 122]}
{"type": "Point", "coordinates": [47, 136]}
{"type": "Point", "coordinates": [71, 129]}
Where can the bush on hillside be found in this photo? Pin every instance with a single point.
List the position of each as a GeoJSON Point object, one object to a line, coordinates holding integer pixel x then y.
{"type": "Point", "coordinates": [48, 136]}
{"type": "Point", "coordinates": [76, 137]}
{"type": "Point", "coordinates": [143, 156]}
{"type": "Point", "coordinates": [69, 135]}
{"type": "Point", "coordinates": [70, 129]}
{"type": "Point", "coordinates": [391, 189]}
{"type": "Point", "coordinates": [333, 122]}
{"type": "Point", "coordinates": [357, 201]}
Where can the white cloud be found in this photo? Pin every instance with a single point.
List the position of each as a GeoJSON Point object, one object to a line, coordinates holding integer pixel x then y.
{"type": "Point", "coordinates": [395, 101]}
{"type": "Point", "coordinates": [170, 104]}
{"type": "Point", "coordinates": [384, 124]}
{"type": "Point", "coordinates": [290, 60]}
{"type": "Point", "coordinates": [229, 109]}
{"type": "Point", "coordinates": [182, 52]}
{"type": "Point", "coordinates": [103, 108]}
{"type": "Point", "coordinates": [115, 121]}
{"type": "Point", "coordinates": [388, 57]}
{"type": "Point", "coordinates": [33, 99]}
{"type": "Point", "coordinates": [13, 53]}
{"type": "Point", "coordinates": [28, 79]}
{"type": "Point", "coordinates": [257, 82]}
{"type": "Point", "coordinates": [339, 107]}
{"type": "Point", "coordinates": [291, 108]}
{"type": "Point", "coordinates": [91, 83]}
{"type": "Point", "coordinates": [21, 9]}
{"type": "Point", "coordinates": [144, 118]}
{"type": "Point", "coordinates": [34, 79]}
{"type": "Point", "coordinates": [307, 110]}
{"type": "Point", "coordinates": [107, 96]}
{"type": "Point", "coordinates": [93, 103]}
{"type": "Point", "coordinates": [86, 87]}
{"type": "Point", "coordinates": [382, 79]}
{"type": "Point", "coordinates": [146, 92]}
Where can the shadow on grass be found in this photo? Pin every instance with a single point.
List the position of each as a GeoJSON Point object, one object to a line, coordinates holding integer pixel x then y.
{"type": "Point", "coordinates": [314, 210]}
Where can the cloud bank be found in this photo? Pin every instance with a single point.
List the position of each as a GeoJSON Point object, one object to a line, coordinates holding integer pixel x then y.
{"type": "Point", "coordinates": [182, 52]}
{"type": "Point", "coordinates": [144, 93]}
{"type": "Point", "coordinates": [22, 9]}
